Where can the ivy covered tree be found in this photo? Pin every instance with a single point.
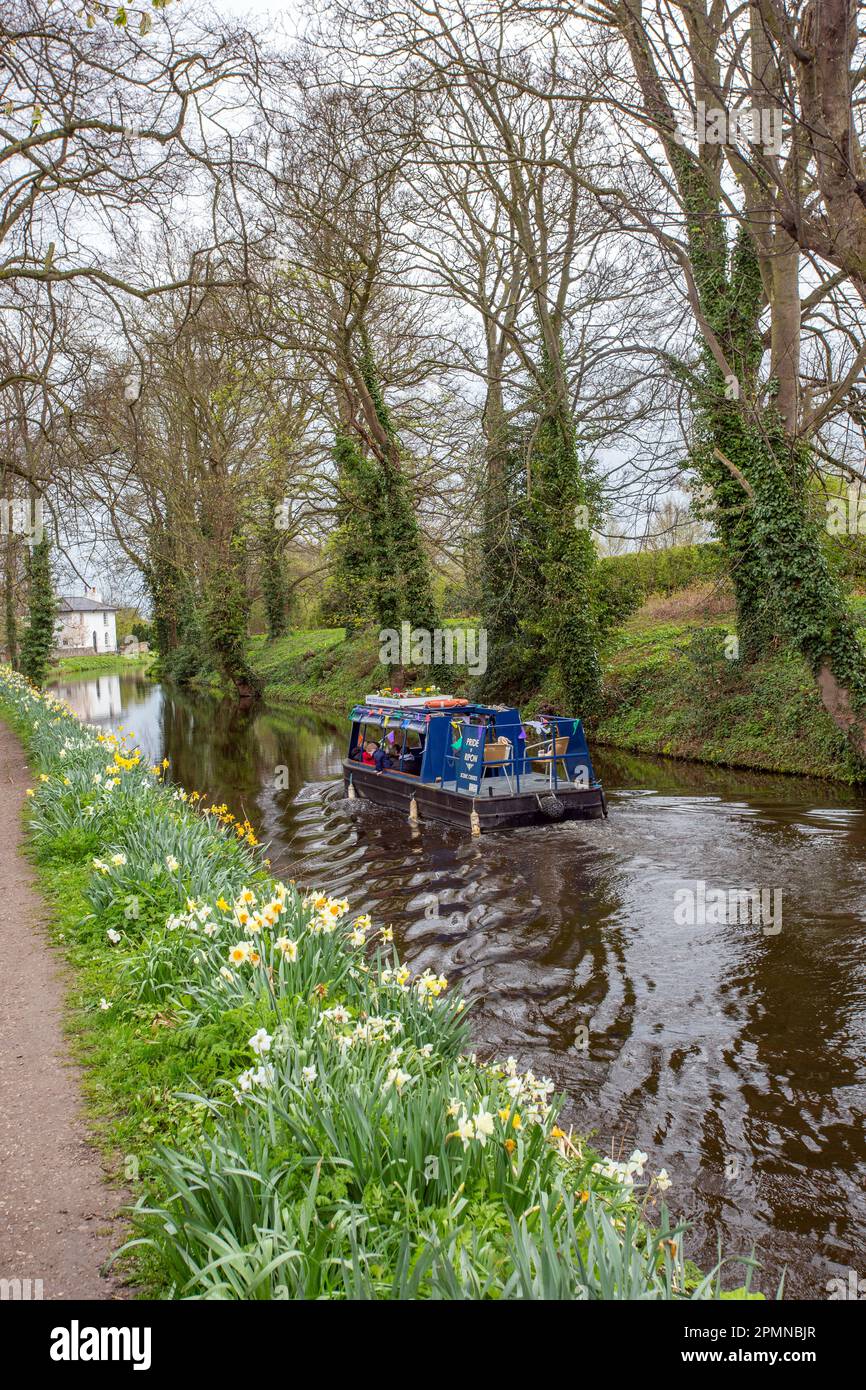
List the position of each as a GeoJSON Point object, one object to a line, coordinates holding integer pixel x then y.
{"type": "Point", "coordinates": [404, 587]}
{"type": "Point", "coordinates": [359, 561]}
{"type": "Point", "coordinates": [37, 641]}
{"type": "Point", "coordinates": [756, 431]}
{"type": "Point", "coordinates": [272, 561]}
{"type": "Point", "coordinates": [558, 531]}
{"type": "Point", "coordinates": [10, 615]}
{"type": "Point", "coordinates": [225, 620]}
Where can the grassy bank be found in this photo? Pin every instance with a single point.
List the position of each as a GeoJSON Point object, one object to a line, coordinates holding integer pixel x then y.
{"type": "Point", "coordinates": [319, 667]}
{"type": "Point", "coordinates": [297, 1112]}
{"type": "Point", "coordinates": [673, 687]}
{"type": "Point", "coordinates": [98, 665]}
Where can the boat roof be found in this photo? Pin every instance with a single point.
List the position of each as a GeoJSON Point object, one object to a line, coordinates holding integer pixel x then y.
{"type": "Point", "coordinates": [419, 716]}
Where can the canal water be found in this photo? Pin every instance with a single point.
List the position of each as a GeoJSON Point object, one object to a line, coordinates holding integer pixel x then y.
{"type": "Point", "coordinates": [733, 1054]}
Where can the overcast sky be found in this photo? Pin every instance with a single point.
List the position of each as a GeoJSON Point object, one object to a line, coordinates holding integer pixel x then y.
{"type": "Point", "coordinates": [277, 11]}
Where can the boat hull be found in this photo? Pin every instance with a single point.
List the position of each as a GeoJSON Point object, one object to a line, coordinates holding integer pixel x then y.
{"type": "Point", "coordinates": [541, 806]}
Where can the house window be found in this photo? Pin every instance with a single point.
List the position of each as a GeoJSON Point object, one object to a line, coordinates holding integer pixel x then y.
{"type": "Point", "coordinates": [105, 620]}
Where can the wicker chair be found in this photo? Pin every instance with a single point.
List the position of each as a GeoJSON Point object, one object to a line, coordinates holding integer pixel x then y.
{"type": "Point", "coordinates": [499, 754]}
{"type": "Point", "coordinates": [558, 750]}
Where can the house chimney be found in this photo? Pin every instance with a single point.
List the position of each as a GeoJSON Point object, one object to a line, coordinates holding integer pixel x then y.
{"type": "Point", "coordinates": [94, 594]}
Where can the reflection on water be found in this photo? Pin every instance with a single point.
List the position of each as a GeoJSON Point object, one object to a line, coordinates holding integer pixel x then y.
{"type": "Point", "coordinates": [95, 701]}
{"type": "Point", "coordinates": [737, 1059]}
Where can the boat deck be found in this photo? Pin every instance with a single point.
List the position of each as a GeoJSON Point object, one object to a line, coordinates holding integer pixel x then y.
{"type": "Point", "coordinates": [533, 782]}
{"type": "Point", "coordinates": [494, 784]}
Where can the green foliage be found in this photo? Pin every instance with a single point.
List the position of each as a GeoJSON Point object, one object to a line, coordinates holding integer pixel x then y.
{"type": "Point", "coordinates": [11, 625]}
{"type": "Point", "coordinates": [170, 596]}
{"type": "Point", "coordinates": [511, 582]}
{"type": "Point", "coordinates": [275, 594]}
{"type": "Point", "coordinates": [814, 612]}
{"type": "Point", "coordinates": [37, 642]}
{"type": "Point", "coordinates": [272, 560]}
{"type": "Point", "coordinates": [623, 582]}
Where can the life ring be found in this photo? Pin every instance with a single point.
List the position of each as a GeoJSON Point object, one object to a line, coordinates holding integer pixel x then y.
{"type": "Point", "coordinates": [444, 704]}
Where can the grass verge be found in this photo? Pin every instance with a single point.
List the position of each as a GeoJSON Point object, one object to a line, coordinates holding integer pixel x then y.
{"type": "Point", "coordinates": [99, 665]}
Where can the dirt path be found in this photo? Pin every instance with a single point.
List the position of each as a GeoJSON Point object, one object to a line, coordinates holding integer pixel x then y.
{"type": "Point", "coordinates": [57, 1214]}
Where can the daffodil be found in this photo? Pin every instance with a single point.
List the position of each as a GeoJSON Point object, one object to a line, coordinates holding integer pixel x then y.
{"type": "Point", "coordinates": [260, 1042]}
{"type": "Point", "coordinates": [397, 1078]}
{"type": "Point", "coordinates": [483, 1122]}
{"type": "Point", "coordinates": [465, 1130]}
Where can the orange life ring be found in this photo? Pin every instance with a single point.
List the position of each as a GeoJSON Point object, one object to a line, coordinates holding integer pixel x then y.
{"type": "Point", "coordinates": [445, 704]}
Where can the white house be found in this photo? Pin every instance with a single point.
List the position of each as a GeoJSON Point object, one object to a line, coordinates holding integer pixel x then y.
{"type": "Point", "coordinates": [85, 624]}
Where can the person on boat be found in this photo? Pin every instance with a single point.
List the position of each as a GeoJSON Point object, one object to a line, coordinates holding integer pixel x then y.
{"type": "Point", "coordinates": [368, 757]}
{"type": "Point", "coordinates": [381, 760]}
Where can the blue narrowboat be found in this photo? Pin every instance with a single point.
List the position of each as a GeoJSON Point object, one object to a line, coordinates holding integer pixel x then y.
{"type": "Point", "coordinates": [477, 766]}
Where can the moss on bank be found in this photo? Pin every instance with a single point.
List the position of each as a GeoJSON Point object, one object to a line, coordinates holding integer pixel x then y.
{"type": "Point", "coordinates": [671, 689]}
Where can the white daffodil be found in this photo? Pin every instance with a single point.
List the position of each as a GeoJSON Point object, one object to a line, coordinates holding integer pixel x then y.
{"type": "Point", "coordinates": [113, 936]}
{"type": "Point", "coordinates": [260, 1042]}
{"type": "Point", "coordinates": [483, 1122]}
{"type": "Point", "coordinates": [397, 1078]}
{"type": "Point", "coordinates": [465, 1130]}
